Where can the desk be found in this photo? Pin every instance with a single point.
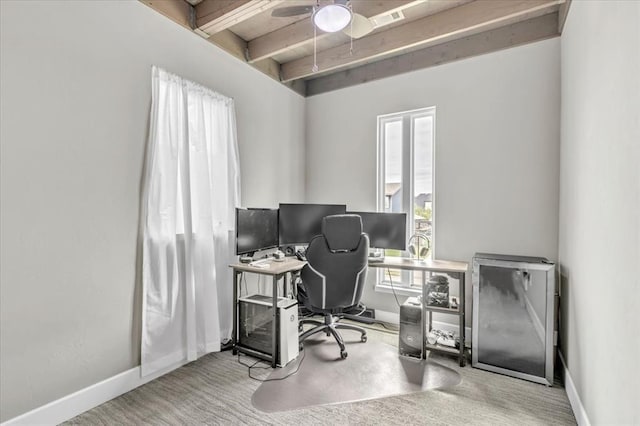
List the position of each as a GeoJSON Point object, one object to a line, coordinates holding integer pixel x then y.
{"type": "Point", "coordinates": [455, 270]}
{"type": "Point", "coordinates": [276, 270]}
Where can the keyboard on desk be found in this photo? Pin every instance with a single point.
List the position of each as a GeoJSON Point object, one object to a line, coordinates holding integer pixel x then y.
{"type": "Point", "coordinates": [262, 263]}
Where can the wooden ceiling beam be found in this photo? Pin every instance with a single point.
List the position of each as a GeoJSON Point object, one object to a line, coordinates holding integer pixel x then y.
{"type": "Point", "coordinates": [301, 32]}
{"type": "Point", "coordinates": [562, 14]}
{"type": "Point", "coordinates": [517, 34]}
{"type": "Point", "coordinates": [181, 12]}
{"type": "Point", "coordinates": [468, 19]}
{"type": "Point", "coordinates": [176, 10]}
{"type": "Point", "coordinates": [213, 16]}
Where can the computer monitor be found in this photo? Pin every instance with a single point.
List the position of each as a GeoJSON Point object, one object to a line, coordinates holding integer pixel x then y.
{"type": "Point", "coordinates": [385, 230]}
{"type": "Point", "coordinates": [256, 229]}
{"type": "Point", "coordinates": [299, 223]}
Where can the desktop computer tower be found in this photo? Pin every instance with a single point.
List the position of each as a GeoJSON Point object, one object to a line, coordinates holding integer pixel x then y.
{"type": "Point", "coordinates": [410, 334]}
{"type": "Point", "coordinates": [255, 328]}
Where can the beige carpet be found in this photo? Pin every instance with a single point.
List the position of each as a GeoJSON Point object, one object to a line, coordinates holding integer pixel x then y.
{"type": "Point", "coordinates": [216, 390]}
{"type": "Point", "coordinates": [372, 370]}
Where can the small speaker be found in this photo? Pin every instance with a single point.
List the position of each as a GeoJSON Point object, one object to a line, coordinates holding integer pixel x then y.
{"type": "Point", "coordinates": [410, 335]}
{"type": "Point", "coordinates": [289, 250]}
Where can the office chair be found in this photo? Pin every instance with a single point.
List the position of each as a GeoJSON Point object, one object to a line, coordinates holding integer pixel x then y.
{"type": "Point", "coordinates": [334, 276]}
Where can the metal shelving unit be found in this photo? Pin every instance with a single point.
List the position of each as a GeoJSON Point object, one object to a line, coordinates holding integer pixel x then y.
{"type": "Point", "coordinates": [459, 275]}
{"type": "Point", "coordinates": [456, 270]}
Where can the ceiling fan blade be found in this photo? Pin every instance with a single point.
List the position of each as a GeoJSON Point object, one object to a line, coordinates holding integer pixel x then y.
{"type": "Point", "coordinates": [283, 12]}
{"type": "Point", "coordinates": [359, 27]}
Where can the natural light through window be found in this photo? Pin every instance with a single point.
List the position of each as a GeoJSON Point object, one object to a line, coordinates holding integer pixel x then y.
{"type": "Point", "coordinates": [405, 181]}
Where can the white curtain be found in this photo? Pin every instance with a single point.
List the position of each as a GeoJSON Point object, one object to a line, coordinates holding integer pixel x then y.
{"type": "Point", "coordinates": [191, 191]}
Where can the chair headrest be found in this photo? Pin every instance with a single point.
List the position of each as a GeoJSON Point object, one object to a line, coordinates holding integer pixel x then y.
{"type": "Point", "coordinates": [342, 231]}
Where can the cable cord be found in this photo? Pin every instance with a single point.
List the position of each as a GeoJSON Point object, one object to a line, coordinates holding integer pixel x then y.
{"type": "Point", "coordinates": [249, 367]}
{"type": "Point", "coordinates": [387, 331]}
{"type": "Point", "coordinates": [384, 324]}
{"type": "Point", "coordinates": [244, 280]}
{"type": "Point", "coordinates": [370, 321]}
{"type": "Point", "coordinates": [392, 288]}
{"type": "Point", "coordinates": [360, 306]}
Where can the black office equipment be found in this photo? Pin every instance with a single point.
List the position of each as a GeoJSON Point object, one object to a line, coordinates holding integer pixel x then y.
{"type": "Point", "coordinates": [255, 326]}
{"type": "Point", "coordinates": [410, 334]}
{"type": "Point", "coordinates": [437, 291]}
{"type": "Point", "coordinates": [335, 274]}
{"type": "Point", "coordinates": [456, 271]}
{"type": "Point", "coordinates": [299, 223]}
{"type": "Point", "coordinates": [385, 230]}
{"type": "Point", "coordinates": [301, 256]}
{"type": "Point", "coordinates": [256, 229]}
{"type": "Point", "coordinates": [252, 322]}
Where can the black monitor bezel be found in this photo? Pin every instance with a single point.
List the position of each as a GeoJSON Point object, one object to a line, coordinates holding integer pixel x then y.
{"type": "Point", "coordinates": [238, 253]}
{"type": "Point", "coordinates": [340, 209]}
{"type": "Point", "coordinates": [372, 239]}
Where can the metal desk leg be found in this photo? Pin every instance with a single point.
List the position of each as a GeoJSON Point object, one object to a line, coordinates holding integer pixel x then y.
{"type": "Point", "coordinates": [234, 334]}
{"type": "Point", "coordinates": [284, 285]}
{"type": "Point", "coordinates": [294, 288]}
{"type": "Point", "coordinates": [423, 318]}
{"type": "Point", "coordinates": [461, 303]}
{"type": "Point", "coordinates": [274, 330]}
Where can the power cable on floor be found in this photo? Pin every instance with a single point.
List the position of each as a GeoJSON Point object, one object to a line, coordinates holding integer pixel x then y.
{"type": "Point", "coordinates": [249, 367]}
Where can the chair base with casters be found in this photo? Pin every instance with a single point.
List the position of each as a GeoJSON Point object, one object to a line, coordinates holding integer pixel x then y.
{"type": "Point", "coordinates": [330, 326]}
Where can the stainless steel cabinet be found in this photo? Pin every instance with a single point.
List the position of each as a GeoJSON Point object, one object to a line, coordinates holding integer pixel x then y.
{"type": "Point", "coordinates": [513, 316]}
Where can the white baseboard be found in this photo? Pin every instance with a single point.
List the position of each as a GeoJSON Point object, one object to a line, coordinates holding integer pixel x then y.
{"type": "Point", "coordinates": [85, 399]}
{"type": "Point", "coordinates": [572, 393]}
{"type": "Point", "coordinates": [394, 318]}
{"type": "Point", "coordinates": [388, 317]}
{"type": "Point", "coordinates": [68, 407]}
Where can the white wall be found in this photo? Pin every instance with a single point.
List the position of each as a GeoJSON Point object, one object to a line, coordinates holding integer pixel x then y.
{"type": "Point", "coordinates": [599, 240]}
{"type": "Point", "coordinates": [497, 147]}
{"type": "Point", "coordinates": [75, 82]}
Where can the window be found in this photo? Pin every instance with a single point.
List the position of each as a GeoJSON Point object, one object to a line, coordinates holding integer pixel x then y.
{"type": "Point", "coordinates": [405, 182]}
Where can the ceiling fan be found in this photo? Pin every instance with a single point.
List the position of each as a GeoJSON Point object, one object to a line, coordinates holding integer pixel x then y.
{"type": "Point", "coordinates": [331, 17]}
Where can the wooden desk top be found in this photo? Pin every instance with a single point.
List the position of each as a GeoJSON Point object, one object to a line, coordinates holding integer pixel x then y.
{"type": "Point", "coordinates": [289, 264]}
{"type": "Point", "coordinates": [426, 265]}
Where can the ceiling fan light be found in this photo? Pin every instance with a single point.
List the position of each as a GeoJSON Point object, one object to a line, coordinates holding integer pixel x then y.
{"type": "Point", "coordinates": [332, 17]}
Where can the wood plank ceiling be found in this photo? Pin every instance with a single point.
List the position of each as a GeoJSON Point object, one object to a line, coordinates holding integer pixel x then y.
{"type": "Point", "coordinates": [407, 35]}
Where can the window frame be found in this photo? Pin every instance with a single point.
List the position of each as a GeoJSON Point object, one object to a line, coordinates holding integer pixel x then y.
{"type": "Point", "coordinates": [404, 287]}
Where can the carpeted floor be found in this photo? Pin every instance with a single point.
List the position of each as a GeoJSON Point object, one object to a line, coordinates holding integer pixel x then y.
{"type": "Point", "coordinates": [216, 389]}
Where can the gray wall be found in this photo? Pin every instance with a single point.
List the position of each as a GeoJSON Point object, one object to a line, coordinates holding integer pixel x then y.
{"type": "Point", "coordinates": [497, 148]}
{"type": "Point", "coordinates": [74, 78]}
{"type": "Point", "coordinates": [75, 82]}
{"type": "Point", "coordinates": [599, 243]}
